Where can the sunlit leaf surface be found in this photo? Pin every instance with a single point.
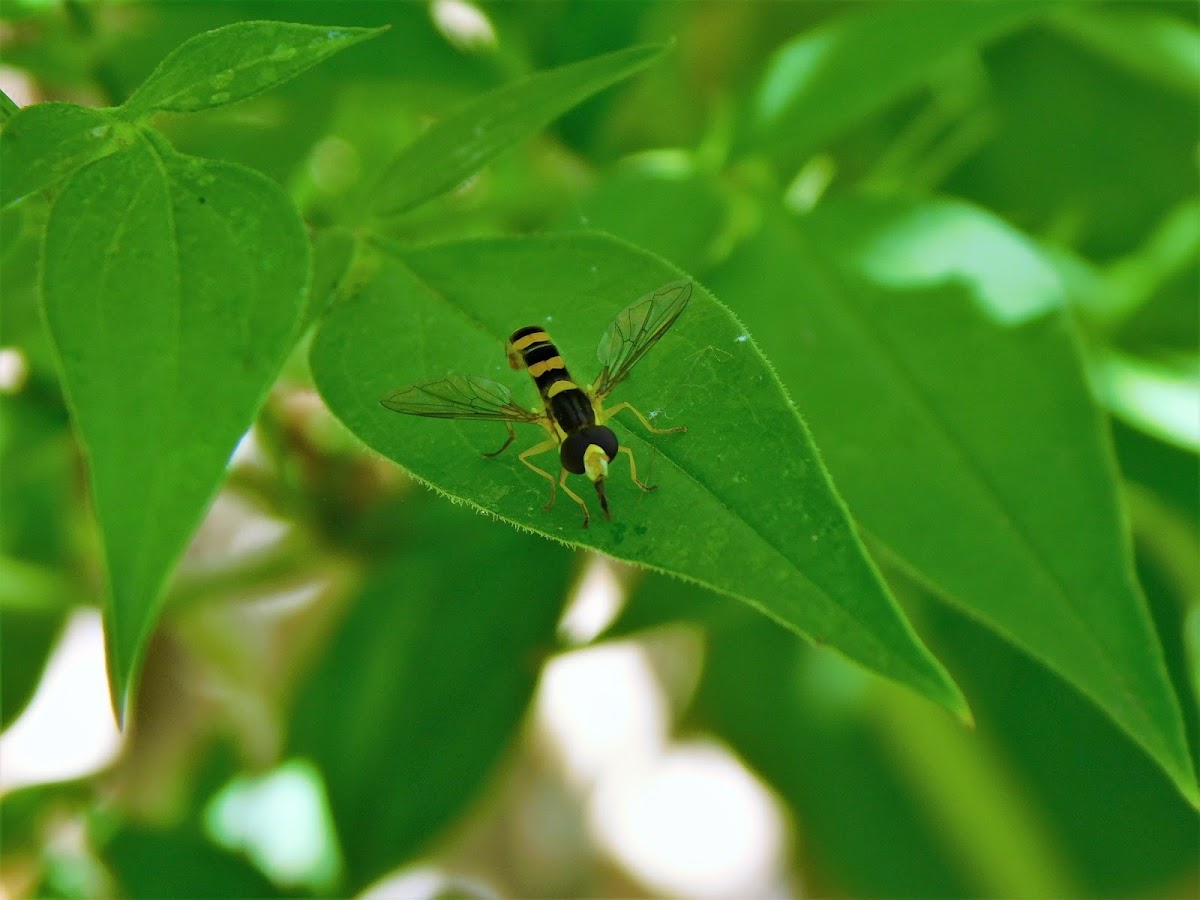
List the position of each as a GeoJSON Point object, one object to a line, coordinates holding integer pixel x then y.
{"type": "Point", "coordinates": [466, 139]}
{"type": "Point", "coordinates": [235, 62]}
{"type": "Point", "coordinates": [743, 503]}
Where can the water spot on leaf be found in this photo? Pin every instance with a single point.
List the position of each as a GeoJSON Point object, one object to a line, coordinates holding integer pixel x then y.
{"type": "Point", "coordinates": [282, 53]}
{"type": "Point", "coordinates": [219, 97]}
{"type": "Point", "coordinates": [222, 79]}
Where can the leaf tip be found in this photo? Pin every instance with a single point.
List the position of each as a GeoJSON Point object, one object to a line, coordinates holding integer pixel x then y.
{"type": "Point", "coordinates": [358, 35]}
{"type": "Point", "coordinates": [1188, 787]}
{"type": "Point", "coordinates": [119, 680]}
{"type": "Point", "coordinates": [966, 716]}
{"type": "Point", "coordinates": [946, 693]}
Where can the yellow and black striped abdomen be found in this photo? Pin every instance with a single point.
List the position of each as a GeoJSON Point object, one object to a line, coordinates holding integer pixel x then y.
{"type": "Point", "coordinates": [532, 349]}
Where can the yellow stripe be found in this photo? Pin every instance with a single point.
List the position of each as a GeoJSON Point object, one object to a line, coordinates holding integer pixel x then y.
{"type": "Point", "coordinates": [541, 368]}
{"type": "Point", "coordinates": [559, 386]}
{"type": "Point", "coordinates": [530, 339]}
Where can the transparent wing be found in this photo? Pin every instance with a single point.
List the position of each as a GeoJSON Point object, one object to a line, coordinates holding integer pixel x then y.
{"type": "Point", "coordinates": [635, 330]}
{"type": "Point", "coordinates": [459, 397]}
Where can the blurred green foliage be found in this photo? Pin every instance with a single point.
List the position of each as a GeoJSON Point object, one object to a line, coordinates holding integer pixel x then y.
{"type": "Point", "coordinates": [964, 242]}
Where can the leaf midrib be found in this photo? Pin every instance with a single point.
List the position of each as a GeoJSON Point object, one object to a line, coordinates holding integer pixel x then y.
{"type": "Point", "coordinates": [117, 234]}
{"type": "Point", "coordinates": [169, 415]}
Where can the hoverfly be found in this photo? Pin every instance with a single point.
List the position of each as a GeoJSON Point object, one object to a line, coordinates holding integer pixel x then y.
{"type": "Point", "coordinates": [573, 418]}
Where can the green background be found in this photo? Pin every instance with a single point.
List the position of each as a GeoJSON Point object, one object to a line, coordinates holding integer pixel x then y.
{"type": "Point", "coordinates": [931, 534]}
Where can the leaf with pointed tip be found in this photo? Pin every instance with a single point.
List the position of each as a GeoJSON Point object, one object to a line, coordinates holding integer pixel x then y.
{"type": "Point", "coordinates": [464, 141]}
{"type": "Point", "coordinates": [744, 504]}
{"type": "Point", "coordinates": [942, 380]}
{"type": "Point", "coordinates": [173, 288]}
{"type": "Point", "coordinates": [229, 64]}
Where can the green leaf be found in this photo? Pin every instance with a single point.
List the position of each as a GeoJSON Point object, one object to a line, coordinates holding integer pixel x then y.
{"type": "Point", "coordinates": [8, 108]}
{"type": "Point", "coordinates": [427, 680]}
{"type": "Point", "coordinates": [1092, 787]}
{"type": "Point", "coordinates": [24, 811]}
{"type": "Point", "coordinates": [181, 861]}
{"type": "Point", "coordinates": [29, 636]}
{"type": "Point", "coordinates": [39, 462]}
{"type": "Point", "coordinates": [229, 64]}
{"type": "Point", "coordinates": [37, 498]}
{"type": "Point", "coordinates": [744, 504]}
{"type": "Point", "coordinates": [1149, 42]}
{"type": "Point", "coordinates": [1045, 797]}
{"type": "Point", "coordinates": [826, 80]}
{"type": "Point", "coordinates": [464, 141]}
{"type": "Point", "coordinates": [173, 288]}
{"type": "Point", "coordinates": [949, 401]}
{"type": "Point", "coordinates": [43, 144]}
{"type": "Point", "coordinates": [22, 228]}
{"type": "Point", "coordinates": [333, 254]}
{"type": "Point", "coordinates": [817, 738]}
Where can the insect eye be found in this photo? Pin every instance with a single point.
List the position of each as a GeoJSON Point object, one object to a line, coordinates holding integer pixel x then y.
{"type": "Point", "coordinates": [571, 453]}
{"type": "Point", "coordinates": [606, 438]}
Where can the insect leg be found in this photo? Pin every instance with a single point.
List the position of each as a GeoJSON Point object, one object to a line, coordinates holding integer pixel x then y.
{"type": "Point", "coordinates": [633, 471]}
{"type": "Point", "coordinates": [562, 480]}
{"type": "Point", "coordinates": [608, 414]}
{"type": "Point", "coordinates": [512, 436]}
{"type": "Point", "coordinates": [543, 447]}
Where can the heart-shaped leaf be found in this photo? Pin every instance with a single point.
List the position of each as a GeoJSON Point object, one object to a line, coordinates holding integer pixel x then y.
{"type": "Point", "coordinates": [172, 288]}
{"type": "Point", "coordinates": [744, 504]}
